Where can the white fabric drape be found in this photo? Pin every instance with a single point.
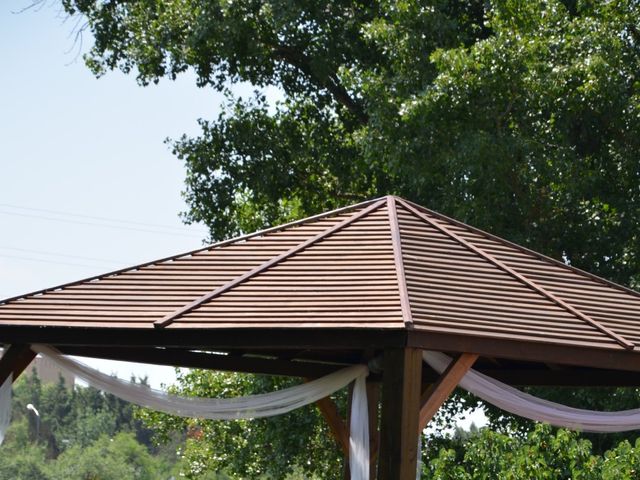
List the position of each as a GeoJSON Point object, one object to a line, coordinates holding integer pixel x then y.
{"type": "Point", "coordinates": [525, 405]}
{"type": "Point", "coordinates": [5, 406]}
{"type": "Point", "coordinates": [254, 406]}
{"type": "Point", "coordinates": [283, 401]}
{"type": "Point", "coordinates": [359, 431]}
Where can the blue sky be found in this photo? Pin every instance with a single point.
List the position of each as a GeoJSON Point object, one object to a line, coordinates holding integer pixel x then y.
{"type": "Point", "coordinates": [76, 151]}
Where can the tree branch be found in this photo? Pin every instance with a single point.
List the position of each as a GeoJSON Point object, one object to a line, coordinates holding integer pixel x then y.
{"type": "Point", "coordinates": [331, 82]}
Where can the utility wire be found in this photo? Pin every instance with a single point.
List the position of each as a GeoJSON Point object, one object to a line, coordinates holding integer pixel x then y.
{"type": "Point", "coordinates": [91, 217]}
{"type": "Point", "coordinates": [117, 227]}
{"type": "Point", "coordinates": [54, 254]}
{"type": "Point", "coordinates": [31, 259]}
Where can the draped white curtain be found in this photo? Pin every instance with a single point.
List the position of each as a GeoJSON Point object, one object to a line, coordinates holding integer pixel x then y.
{"type": "Point", "coordinates": [5, 406]}
{"type": "Point", "coordinates": [283, 401]}
{"type": "Point", "coordinates": [359, 431]}
{"type": "Point", "coordinates": [525, 405]}
{"type": "Point", "coordinates": [254, 406]}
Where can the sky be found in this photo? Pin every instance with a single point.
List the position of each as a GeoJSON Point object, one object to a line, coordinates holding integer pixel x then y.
{"type": "Point", "coordinates": [87, 183]}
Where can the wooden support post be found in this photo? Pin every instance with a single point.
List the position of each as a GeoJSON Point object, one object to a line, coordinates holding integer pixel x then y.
{"type": "Point", "coordinates": [401, 379]}
{"type": "Point", "coordinates": [14, 360]}
{"type": "Point", "coordinates": [438, 392]}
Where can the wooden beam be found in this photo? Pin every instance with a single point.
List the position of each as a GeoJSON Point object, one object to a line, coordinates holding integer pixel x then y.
{"type": "Point", "coordinates": [14, 360]}
{"type": "Point", "coordinates": [615, 359]}
{"type": "Point", "coordinates": [436, 394]}
{"type": "Point", "coordinates": [402, 372]}
{"type": "Point", "coordinates": [266, 338]}
{"type": "Point", "coordinates": [211, 361]}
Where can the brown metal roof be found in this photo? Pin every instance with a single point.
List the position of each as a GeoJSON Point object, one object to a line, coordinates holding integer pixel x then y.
{"type": "Point", "coordinates": [383, 264]}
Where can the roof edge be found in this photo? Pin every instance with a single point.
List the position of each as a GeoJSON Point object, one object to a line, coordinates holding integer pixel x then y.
{"type": "Point", "coordinates": [396, 243]}
{"type": "Point", "coordinates": [219, 244]}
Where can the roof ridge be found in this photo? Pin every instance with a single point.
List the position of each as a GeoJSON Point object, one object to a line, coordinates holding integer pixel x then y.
{"type": "Point", "coordinates": [169, 318]}
{"type": "Point", "coordinates": [531, 284]}
{"type": "Point", "coordinates": [533, 253]}
{"type": "Point", "coordinates": [221, 243]}
{"type": "Point", "coordinates": [399, 261]}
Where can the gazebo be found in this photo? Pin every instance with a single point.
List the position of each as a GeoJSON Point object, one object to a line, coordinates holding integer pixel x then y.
{"type": "Point", "coordinates": [377, 283]}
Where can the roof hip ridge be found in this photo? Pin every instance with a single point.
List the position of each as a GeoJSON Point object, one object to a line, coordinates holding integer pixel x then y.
{"type": "Point", "coordinates": [521, 278]}
{"type": "Point", "coordinates": [169, 318]}
{"type": "Point", "coordinates": [208, 247]}
{"type": "Point", "coordinates": [528, 251]}
{"type": "Point", "coordinates": [396, 243]}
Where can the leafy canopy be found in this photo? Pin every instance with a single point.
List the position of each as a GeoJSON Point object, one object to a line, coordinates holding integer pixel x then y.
{"type": "Point", "coordinates": [518, 117]}
{"type": "Point", "coordinates": [82, 434]}
{"type": "Point", "coordinates": [522, 118]}
{"type": "Point", "coordinates": [297, 443]}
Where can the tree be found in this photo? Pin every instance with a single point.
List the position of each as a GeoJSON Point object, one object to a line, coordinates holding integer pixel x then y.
{"type": "Point", "coordinates": [325, 57]}
{"type": "Point", "coordinates": [272, 448]}
{"type": "Point", "coordinates": [522, 118]}
{"type": "Point", "coordinates": [26, 463]}
{"type": "Point", "coordinates": [72, 416]}
{"type": "Point", "coordinates": [117, 458]}
{"type": "Point", "coordinates": [542, 454]}
{"type": "Point", "coordinates": [83, 434]}
{"type": "Point", "coordinates": [518, 117]}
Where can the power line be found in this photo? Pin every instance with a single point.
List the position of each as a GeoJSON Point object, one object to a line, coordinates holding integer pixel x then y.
{"type": "Point", "coordinates": [54, 254]}
{"type": "Point", "coordinates": [116, 227]}
{"type": "Point", "coordinates": [40, 260]}
{"type": "Point", "coordinates": [92, 217]}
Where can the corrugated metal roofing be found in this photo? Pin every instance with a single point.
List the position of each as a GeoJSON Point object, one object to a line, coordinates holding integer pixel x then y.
{"type": "Point", "coordinates": [386, 263]}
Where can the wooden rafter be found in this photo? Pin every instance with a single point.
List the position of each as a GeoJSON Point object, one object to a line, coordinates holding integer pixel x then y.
{"type": "Point", "coordinates": [436, 394]}
{"type": "Point", "coordinates": [14, 361]}
{"type": "Point", "coordinates": [399, 262]}
{"type": "Point", "coordinates": [541, 376]}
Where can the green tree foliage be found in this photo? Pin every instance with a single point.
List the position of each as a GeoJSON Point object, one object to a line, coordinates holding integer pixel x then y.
{"type": "Point", "coordinates": [542, 454]}
{"type": "Point", "coordinates": [72, 416]}
{"type": "Point", "coordinates": [520, 117]}
{"type": "Point", "coordinates": [325, 59]}
{"type": "Point", "coordinates": [117, 458]}
{"type": "Point", "coordinates": [83, 434]}
{"type": "Point", "coordinates": [29, 462]}
{"type": "Point", "coordinates": [296, 443]}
